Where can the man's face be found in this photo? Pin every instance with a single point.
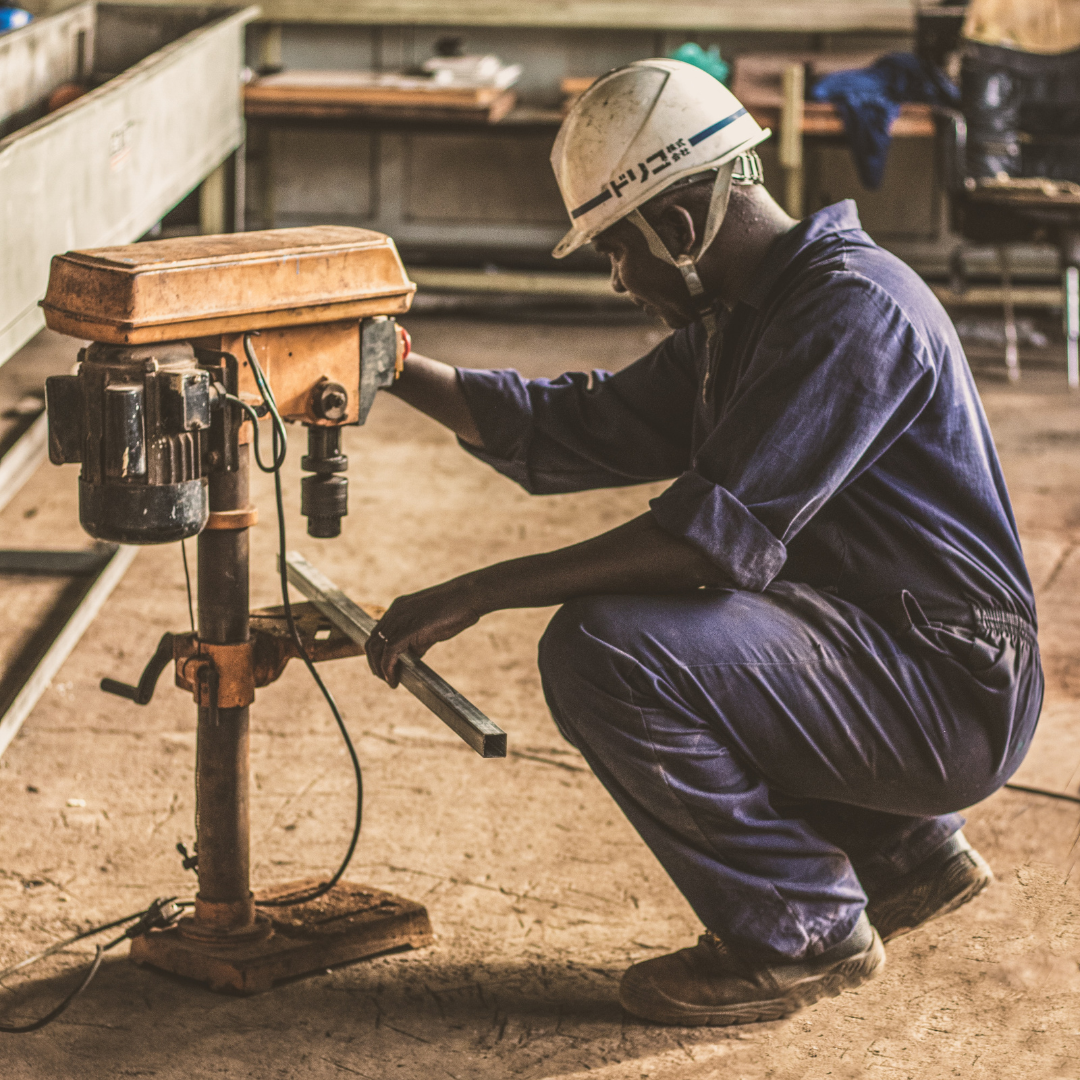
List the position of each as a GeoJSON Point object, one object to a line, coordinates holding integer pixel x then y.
{"type": "Point", "coordinates": [652, 285]}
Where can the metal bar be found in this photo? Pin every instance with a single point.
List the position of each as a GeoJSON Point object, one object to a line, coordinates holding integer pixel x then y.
{"type": "Point", "coordinates": [541, 283]}
{"type": "Point", "coordinates": [112, 570]}
{"type": "Point", "coordinates": [56, 563]}
{"type": "Point", "coordinates": [1045, 296]}
{"type": "Point", "coordinates": [237, 183]}
{"type": "Point", "coordinates": [457, 712]}
{"type": "Point", "coordinates": [791, 137]}
{"type": "Point", "coordinates": [23, 458]}
{"type": "Point", "coordinates": [1072, 325]}
{"type": "Point", "coordinates": [213, 202]}
{"type": "Point", "coordinates": [1012, 350]}
{"type": "Point", "coordinates": [792, 16]}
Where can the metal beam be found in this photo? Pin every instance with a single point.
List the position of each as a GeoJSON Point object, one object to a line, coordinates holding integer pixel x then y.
{"type": "Point", "coordinates": [805, 16]}
{"type": "Point", "coordinates": [523, 282]}
{"type": "Point", "coordinates": [105, 168]}
{"type": "Point", "coordinates": [23, 458]}
{"type": "Point", "coordinates": [1048, 296]}
{"type": "Point", "coordinates": [456, 711]}
{"type": "Point", "coordinates": [113, 561]}
{"type": "Point", "coordinates": [54, 563]}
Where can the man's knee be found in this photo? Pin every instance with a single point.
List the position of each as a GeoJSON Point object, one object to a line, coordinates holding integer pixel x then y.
{"type": "Point", "coordinates": [575, 653]}
{"type": "Point", "coordinates": [581, 633]}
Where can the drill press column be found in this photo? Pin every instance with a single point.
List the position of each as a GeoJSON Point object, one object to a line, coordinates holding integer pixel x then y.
{"type": "Point", "coordinates": [224, 905]}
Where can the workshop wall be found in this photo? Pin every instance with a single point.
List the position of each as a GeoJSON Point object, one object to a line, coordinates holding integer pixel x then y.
{"type": "Point", "coordinates": [475, 195]}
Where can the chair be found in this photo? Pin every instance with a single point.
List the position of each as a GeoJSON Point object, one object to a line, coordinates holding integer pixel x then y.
{"type": "Point", "coordinates": [1011, 162]}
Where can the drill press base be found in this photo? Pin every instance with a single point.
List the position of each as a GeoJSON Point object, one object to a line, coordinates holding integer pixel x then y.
{"type": "Point", "coordinates": [351, 922]}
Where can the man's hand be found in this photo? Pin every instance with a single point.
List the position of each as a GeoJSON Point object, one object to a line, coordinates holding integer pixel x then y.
{"type": "Point", "coordinates": [638, 557]}
{"type": "Point", "coordinates": [418, 621]}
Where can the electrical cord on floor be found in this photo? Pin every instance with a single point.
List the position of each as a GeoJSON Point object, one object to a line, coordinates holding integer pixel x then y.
{"type": "Point", "coordinates": [1062, 795]}
{"type": "Point", "coordinates": [161, 913]}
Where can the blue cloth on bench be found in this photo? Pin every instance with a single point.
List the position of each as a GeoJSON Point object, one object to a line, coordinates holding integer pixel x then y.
{"type": "Point", "coordinates": [869, 99]}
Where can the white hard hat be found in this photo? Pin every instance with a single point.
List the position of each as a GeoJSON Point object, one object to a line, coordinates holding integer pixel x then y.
{"type": "Point", "coordinates": [636, 131]}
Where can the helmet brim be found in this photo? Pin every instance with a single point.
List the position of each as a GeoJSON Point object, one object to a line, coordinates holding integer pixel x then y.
{"type": "Point", "coordinates": [570, 243]}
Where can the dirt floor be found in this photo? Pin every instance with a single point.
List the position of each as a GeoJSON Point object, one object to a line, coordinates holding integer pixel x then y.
{"type": "Point", "coordinates": [539, 891]}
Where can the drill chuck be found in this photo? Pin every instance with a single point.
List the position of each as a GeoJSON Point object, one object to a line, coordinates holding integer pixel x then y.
{"type": "Point", "coordinates": [324, 497]}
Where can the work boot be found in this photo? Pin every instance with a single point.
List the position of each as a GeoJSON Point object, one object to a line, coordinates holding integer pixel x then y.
{"type": "Point", "coordinates": [708, 985]}
{"type": "Point", "coordinates": [953, 875]}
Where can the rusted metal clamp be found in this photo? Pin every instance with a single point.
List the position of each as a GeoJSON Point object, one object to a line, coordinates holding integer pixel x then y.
{"type": "Point", "coordinates": [222, 672]}
{"type": "Point", "coordinates": [232, 519]}
{"type": "Point", "coordinates": [225, 676]}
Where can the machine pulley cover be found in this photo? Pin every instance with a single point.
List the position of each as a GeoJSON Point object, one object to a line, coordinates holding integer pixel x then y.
{"type": "Point", "coordinates": [194, 286]}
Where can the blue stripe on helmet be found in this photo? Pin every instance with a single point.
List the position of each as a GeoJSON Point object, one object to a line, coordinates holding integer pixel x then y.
{"type": "Point", "coordinates": [714, 128]}
{"type": "Point", "coordinates": [592, 204]}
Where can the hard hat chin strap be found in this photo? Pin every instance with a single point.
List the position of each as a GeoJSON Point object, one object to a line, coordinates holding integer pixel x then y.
{"type": "Point", "coordinates": [686, 263]}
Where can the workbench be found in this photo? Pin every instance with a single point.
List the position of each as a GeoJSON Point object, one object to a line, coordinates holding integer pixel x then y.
{"type": "Point", "coordinates": [108, 166]}
{"type": "Point", "coordinates": [480, 185]}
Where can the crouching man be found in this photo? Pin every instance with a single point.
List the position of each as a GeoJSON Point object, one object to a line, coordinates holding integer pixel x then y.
{"type": "Point", "coordinates": [818, 644]}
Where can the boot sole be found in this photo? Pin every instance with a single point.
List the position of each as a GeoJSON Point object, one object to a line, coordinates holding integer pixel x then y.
{"type": "Point", "coordinates": [846, 975]}
{"type": "Point", "coordinates": [963, 882]}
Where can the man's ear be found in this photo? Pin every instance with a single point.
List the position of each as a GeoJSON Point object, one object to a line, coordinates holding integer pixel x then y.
{"type": "Point", "coordinates": [676, 228]}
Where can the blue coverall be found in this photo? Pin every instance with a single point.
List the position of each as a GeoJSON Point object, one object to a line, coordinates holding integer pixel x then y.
{"type": "Point", "coordinates": [810, 731]}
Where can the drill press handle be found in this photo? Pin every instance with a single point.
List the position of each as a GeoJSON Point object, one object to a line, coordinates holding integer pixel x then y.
{"type": "Point", "coordinates": [142, 693]}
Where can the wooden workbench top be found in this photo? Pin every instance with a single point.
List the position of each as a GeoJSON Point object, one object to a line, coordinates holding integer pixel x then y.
{"type": "Point", "coordinates": [820, 118]}
{"type": "Point", "coordinates": [366, 95]}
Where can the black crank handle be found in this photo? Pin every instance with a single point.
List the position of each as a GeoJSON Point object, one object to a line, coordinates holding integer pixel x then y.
{"type": "Point", "coordinates": [142, 693]}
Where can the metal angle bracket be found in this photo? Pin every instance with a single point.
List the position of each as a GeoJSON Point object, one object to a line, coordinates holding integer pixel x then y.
{"type": "Point", "coordinates": [104, 566]}
{"type": "Point", "coordinates": [456, 711]}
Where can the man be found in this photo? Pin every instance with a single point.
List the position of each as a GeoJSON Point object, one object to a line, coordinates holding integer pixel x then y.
{"type": "Point", "coordinates": [818, 644]}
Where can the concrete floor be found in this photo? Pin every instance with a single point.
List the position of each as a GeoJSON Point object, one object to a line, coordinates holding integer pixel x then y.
{"type": "Point", "coordinates": [539, 891]}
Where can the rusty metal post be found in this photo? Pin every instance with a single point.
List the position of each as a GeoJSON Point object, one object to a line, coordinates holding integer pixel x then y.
{"type": "Point", "coordinates": [224, 906]}
{"type": "Point", "coordinates": [791, 138]}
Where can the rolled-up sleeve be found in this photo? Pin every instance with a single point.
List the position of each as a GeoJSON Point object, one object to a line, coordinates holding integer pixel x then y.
{"type": "Point", "coordinates": [583, 431]}
{"type": "Point", "coordinates": [715, 522]}
{"type": "Point", "coordinates": [829, 388]}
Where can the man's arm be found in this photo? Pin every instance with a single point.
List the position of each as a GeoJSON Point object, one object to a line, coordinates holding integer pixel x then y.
{"type": "Point", "coordinates": [434, 388]}
{"type": "Point", "coordinates": [638, 557]}
{"type": "Point", "coordinates": [573, 433]}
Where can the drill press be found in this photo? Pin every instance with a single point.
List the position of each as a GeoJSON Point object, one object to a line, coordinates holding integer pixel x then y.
{"type": "Point", "coordinates": [190, 338]}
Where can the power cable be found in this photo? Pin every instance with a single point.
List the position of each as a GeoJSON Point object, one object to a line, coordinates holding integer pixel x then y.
{"type": "Point", "coordinates": [280, 447]}
{"type": "Point", "coordinates": [161, 913]}
{"type": "Point", "coordinates": [187, 581]}
{"type": "Point", "coordinates": [1063, 796]}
